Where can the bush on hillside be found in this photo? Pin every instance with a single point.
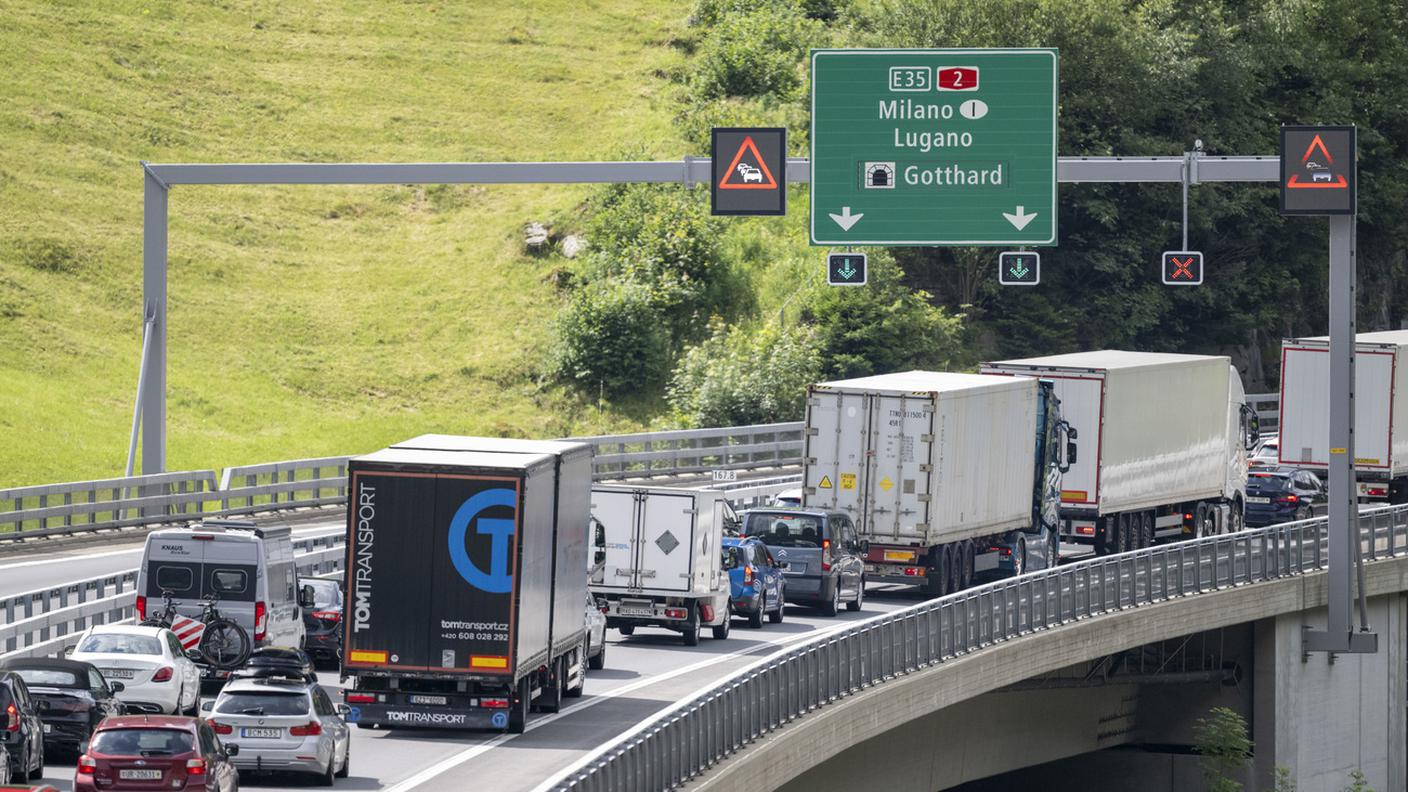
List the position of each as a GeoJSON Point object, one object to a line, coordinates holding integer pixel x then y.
{"type": "Point", "coordinates": [610, 339]}
{"type": "Point", "coordinates": [754, 54]}
{"type": "Point", "coordinates": [738, 376]}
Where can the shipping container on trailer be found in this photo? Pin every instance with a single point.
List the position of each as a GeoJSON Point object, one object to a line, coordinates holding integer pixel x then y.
{"type": "Point", "coordinates": [934, 468]}
{"type": "Point", "coordinates": [458, 551]}
{"type": "Point", "coordinates": [1164, 443]}
{"type": "Point", "coordinates": [1380, 410]}
{"type": "Point", "coordinates": [661, 558]}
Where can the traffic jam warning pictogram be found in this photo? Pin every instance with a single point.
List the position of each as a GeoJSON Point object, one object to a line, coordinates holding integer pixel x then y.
{"type": "Point", "coordinates": [749, 171]}
{"type": "Point", "coordinates": [1317, 170]}
{"type": "Point", "coordinates": [1183, 268]}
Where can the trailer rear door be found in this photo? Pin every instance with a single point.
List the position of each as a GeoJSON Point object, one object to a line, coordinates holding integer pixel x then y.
{"type": "Point", "coordinates": [836, 443]}
{"type": "Point", "coordinates": [667, 542]}
{"type": "Point", "coordinates": [896, 479]}
{"type": "Point", "coordinates": [1305, 406]}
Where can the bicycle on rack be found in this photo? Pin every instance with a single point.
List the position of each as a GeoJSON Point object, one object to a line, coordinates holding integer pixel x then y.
{"type": "Point", "coordinates": [223, 644]}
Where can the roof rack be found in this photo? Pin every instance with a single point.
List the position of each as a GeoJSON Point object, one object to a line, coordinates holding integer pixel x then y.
{"type": "Point", "coordinates": [227, 525]}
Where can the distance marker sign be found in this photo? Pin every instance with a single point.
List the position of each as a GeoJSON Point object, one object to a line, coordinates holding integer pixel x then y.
{"type": "Point", "coordinates": [933, 147]}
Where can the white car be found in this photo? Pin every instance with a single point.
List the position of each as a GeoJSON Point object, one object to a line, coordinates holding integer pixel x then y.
{"type": "Point", "coordinates": [156, 675]}
{"type": "Point", "coordinates": [1267, 453]}
{"type": "Point", "coordinates": [596, 636]}
{"type": "Point", "coordinates": [283, 722]}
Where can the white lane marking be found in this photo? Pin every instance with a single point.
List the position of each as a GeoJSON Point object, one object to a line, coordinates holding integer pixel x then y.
{"type": "Point", "coordinates": [455, 760]}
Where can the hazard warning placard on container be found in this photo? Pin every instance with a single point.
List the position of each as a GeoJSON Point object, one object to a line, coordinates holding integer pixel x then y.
{"type": "Point", "coordinates": [1317, 170]}
{"type": "Point", "coordinates": [750, 171]}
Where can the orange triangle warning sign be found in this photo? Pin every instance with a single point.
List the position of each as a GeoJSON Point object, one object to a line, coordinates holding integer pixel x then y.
{"type": "Point", "coordinates": [745, 175]}
{"type": "Point", "coordinates": [1320, 172]}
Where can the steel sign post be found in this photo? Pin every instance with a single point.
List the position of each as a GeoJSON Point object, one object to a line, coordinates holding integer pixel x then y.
{"type": "Point", "coordinates": [933, 147]}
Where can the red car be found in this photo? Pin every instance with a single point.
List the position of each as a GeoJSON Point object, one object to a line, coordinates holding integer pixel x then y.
{"type": "Point", "coordinates": [150, 752]}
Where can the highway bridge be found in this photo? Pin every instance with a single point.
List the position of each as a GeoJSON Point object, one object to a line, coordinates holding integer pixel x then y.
{"type": "Point", "coordinates": [1054, 666]}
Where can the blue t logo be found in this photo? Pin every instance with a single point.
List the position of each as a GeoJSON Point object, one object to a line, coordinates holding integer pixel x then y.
{"type": "Point", "coordinates": [499, 578]}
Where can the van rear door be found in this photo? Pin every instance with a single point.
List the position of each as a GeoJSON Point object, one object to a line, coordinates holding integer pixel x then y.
{"type": "Point", "coordinates": [230, 572]}
{"type": "Point", "coordinates": [174, 563]}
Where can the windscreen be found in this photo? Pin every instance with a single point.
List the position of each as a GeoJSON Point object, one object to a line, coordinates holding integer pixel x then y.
{"type": "Point", "coordinates": [49, 677]}
{"type": "Point", "coordinates": [261, 703]}
{"type": "Point", "coordinates": [785, 530]}
{"type": "Point", "coordinates": [1266, 482]}
{"type": "Point", "coordinates": [326, 594]}
{"type": "Point", "coordinates": [141, 742]}
{"type": "Point", "coordinates": [120, 643]}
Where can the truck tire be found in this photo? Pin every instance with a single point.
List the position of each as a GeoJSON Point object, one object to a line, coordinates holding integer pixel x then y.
{"type": "Point", "coordinates": [627, 629]}
{"type": "Point", "coordinates": [1149, 539]}
{"type": "Point", "coordinates": [955, 568]}
{"type": "Point", "coordinates": [1102, 543]}
{"type": "Point", "coordinates": [518, 709]}
{"type": "Point", "coordinates": [1019, 557]}
{"type": "Point", "coordinates": [936, 578]}
{"type": "Point", "coordinates": [691, 628]}
{"type": "Point", "coordinates": [969, 557]}
{"type": "Point", "coordinates": [1126, 535]}
{"type": "Point", "coordinates": [721, 631]}
{"type": "Point", "coordinates": [1200, 524]}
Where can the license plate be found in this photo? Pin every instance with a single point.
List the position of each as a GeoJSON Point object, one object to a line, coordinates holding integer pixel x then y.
{"type": "Point", "coordinates": [139, 774]}
{"type": "Point", "coordinates": [119, 673]}
{"type": "Point", "coordinates": [1252, 499]}
{"type": "Point", "coordinates": [624, 611]}
{"type": "Point", "coordinates": [440, 700]}
{"type": "Point", "coordinates": [899, 555]}
{"type": "Point", "coordinates": [261, 732]}
{"type": "Point", "coordinates": [48, 727]}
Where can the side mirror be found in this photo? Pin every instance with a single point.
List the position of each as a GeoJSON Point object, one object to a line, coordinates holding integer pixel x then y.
{"type": "Point", "coordinates": [305, 597]}
{"type": "Point", "coordinates": [40, 705]}
{"type": "Point", "coordinates": [232, 750]}
{"type": "Point", "coordinates": [116, 687]}
{"type": "Point", "coordinates": [343, 710]}
{"type": "Point", "coordinates": [864, 547]}
{"type": "Point", "coordinates": [195, 656]}
{"type": "Point", "coordinates": [207, 705]}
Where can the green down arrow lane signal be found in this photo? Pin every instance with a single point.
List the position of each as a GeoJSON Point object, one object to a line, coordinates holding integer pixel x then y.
{"type": "Point", "coordinates": [846, 269]}
{"type": "Point", "coordinates": [1020, 268]}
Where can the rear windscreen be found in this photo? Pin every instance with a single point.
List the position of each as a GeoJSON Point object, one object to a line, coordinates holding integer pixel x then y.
{"type": "Point", "coordinates": [260, 703]}
{"type": "Point", "coordinates": [191, 581]}
{"type": "Point", "coordinates": [120, 643]}
{"type": "Point", "coordinates": [141, 742]}
{"type": "Point", "coordinates": [50, 677]}
{"type": "Point", "coordinates": [326, 593]}
{"type": "Point", "coordinates": [1268, 483]}
{"type": "Point", "coordinates": [785, 530]}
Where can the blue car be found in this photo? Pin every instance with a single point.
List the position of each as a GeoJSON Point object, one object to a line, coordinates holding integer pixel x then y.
{"type": "Point", "coordinates": [755, 580]}
{"type": "Point", "coordinates": [1278, 495]}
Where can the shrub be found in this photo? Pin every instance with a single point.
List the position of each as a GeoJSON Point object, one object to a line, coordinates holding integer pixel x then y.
{"type": "Point", "coordinates": [45, 254]}
{"type": "Point", "coordinates": [610, 338]}
{"type": "Point", "coordinates": [754, 54]}
{"type": "Point", "coordinates": [738, 376]}
{"type": "Point", "coordinates": [1222, 740]}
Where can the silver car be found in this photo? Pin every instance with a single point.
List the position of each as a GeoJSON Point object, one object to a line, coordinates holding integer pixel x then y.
{"type": "Point", "coordinates": [283, 724]}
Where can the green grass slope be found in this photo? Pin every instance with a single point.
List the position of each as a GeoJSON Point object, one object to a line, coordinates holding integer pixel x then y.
{"type": "Point", "coordinates": [303, 321]}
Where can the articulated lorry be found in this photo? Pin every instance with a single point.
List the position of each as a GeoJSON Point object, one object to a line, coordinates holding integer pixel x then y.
{"type": "Point", "coordinates": [1166, 439]}
{"type": "Point", "coordinates": [466, 583]}
{"type": "Point", "coordinates": [1380, 410]}
{"type": "Point", "coordinates": [661, 564]}
{"type": "Point", "coordinates": [944, 475]}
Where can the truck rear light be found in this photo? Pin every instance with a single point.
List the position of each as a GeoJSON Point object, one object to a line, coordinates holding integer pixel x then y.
{"type": "Point", "coordinates": [360, 698]}
{"type": "Point", "coordinates": [195, 767]}
{"type": "Point", "coordinates": [494, 703]}
{"type": "Point", "coordinates": [914, 571]}
{"type": "Point", "coordinates": [86, 765]}
{"type": "Point", "coordinates": [1085, 530]}
{"type": "Point", "coordinates": [141, 608]}
{"type": "Point", "coordinates": [825, 555]}
{"type": "Point", "coordinates": [309, 729]}
{"type": "Point", "coordinates": [1187, 516]}
{"type": "Point", "coordinates": [163, 674]}
{"type": "Point", "coordinates": [676, 613]}
{"type": "Point", "coordinates": [261, 612]}
{"type": "Point", "coordinates": [222, 728]}
{"type": "Point", "coordinates": [1377, 492]}
{"type": "Point", "coordinates": [706, 612]}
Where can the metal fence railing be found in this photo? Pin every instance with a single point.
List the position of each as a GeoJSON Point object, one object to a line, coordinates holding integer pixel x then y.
{"type": "Point", "coordinates": [688, 738]}
{"type": "Point", "coordinates": [46, 621]}
{"type": "Point", "coordinates": [695, 450]}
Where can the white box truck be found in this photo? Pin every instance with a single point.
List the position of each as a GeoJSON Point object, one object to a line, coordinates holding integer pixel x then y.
{"type": "Point", "coordinates": [1166, 439]}
{"type": "Point", "coordinates": [945, 475]}
{"type": "Point", "coordinates": [1380, 397]}
{"type": "Point", "coordinates": [661, 565]}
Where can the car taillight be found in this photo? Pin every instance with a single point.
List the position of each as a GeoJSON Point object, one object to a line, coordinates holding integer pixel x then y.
{"type": "Point", "coordinates": [328, 616]}
{"type": "Point", "coordinates": [260, 612]}
{"type": "Point", "coordinates": [195, 767]}
{"type": "Point", "coordinates": [309, 729]}
{"type": "Point", "coordinates": [495, 703]}
{"type": "Point", "coordinates": [12, 720]}
{"type": "Point", "coordinates": [747, 575]}
{"type": "Point", "coordinates": [222, 728]}
{"type": "Point", "coordinates": [141, 608]}
{"type": "Point", "coordinates": [360, 698]}
{"type": "Point", "coordinates": [86, 765]}
{"type": "Point", "coordinates": [825, 555]}
{"type": "Point", "coordinates": [1287, 499]}
{"type": "Point", "coordinates": [163, 674]}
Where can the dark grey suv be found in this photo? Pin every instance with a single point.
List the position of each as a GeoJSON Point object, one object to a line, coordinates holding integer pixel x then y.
{"type": "Point", "coordinates": [825, 560]}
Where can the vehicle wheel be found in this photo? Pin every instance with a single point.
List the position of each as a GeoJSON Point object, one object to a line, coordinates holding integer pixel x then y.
{"type": "Point", "coordinates": [691, 628]}
{"type": "Point", "coordinates": [969, 557]}
{"type": "Point", "coordinates": [1302, 513]}
{"type": "Point", "coordinates": [1019, 557]}
{"type": "Point", "coordinates": [1126, 538]}
{"type": "Point", "coordinates": [955, 568]}
{"type": "Point", "coordinates": [859, 602]}
{"type": "Point", "coordinates": [833, 605]}
{"type": "Point", "coordinates": [627, 629]}
{"type": "Point", "coordinates": [776, 616]}
{"type": "Point", "coordinates": [576, 692]}
{"type": "Point", "coordinates": [597, 662]}
{"type": "Point", "coordinates": [1239, 517]}
{"type": "Point", "coordinates": [1102, 543]}
{"type": "Point", "coordinates": [325, 779]}
{"type": "Point", "coordinates": [518, 713]}
{"type": "Point", "coordinates": [346, 761]}
{"type": "Point", "coordinates": [225, 644]}
{"type": "Point", "coordinates": [721, 631]}
{"type": "Point", "coordinates": [755, 619]}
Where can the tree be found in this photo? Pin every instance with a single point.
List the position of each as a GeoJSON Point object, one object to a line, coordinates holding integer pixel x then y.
{"type": "Point", "coordinates": [1222, 741]}
{"type": "Point", "coordinates": [743, 376]}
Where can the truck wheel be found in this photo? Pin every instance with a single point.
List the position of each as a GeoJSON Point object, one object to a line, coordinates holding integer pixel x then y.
{"type": "Point", "coordinates": [969, 557]}
{"type": "Point", "coordinates": [955, 568]}
{"type": "Point", "coordinates": [1102, 543]}
{"type": "Point", "coordinates": [857, 603]}
{"type": "Point", "coordinates": [691, 628]}
{"type": "Point", "coordinates": [1019, 557]}
{"type": "Point", "coordinates": [627, 629]}
{"type": "Point", "coordinates": [721, 630]}
{"type": "Point", "coordinates": [1125, 542]}
{"type": "Point", "coordinates": [1239, 517]}
{"type": "Point", "coordinates": [936, 578]}
{"type": "Point", "coordinates": [1147, 519]}
{"type": "Point", "coordinates": [518, 711]}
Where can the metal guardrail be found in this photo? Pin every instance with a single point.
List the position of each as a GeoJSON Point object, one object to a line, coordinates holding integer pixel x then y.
{"type": "Point", "coordinates": [688, 738]}
{"type": "Point", "coordinates": [695, 450]}
{"type": "Point", "coordinates": [53, 629]}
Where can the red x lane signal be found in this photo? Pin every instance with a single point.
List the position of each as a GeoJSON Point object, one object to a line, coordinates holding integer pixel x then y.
{"type": "Point", "coordinates": [1183, 268]}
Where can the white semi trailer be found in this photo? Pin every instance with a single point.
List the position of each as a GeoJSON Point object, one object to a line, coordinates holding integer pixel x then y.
{"type": "Point", "coordinates": [1380, 410]}
{"type": "Point", "coordinates": [1166, 439]}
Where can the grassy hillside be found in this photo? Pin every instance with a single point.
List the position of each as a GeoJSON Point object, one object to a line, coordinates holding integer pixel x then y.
{"type": "Point", "coordinates": [304, 321]}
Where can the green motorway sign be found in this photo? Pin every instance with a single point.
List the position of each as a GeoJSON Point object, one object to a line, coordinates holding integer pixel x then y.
{"type": "Point", "coordinates": [933, 147]}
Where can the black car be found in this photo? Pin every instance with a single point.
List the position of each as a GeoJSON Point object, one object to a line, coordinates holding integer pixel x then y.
{"type": "Point", "coordinates": [322, 623]}
{"type": "Point", "coordinates": [824, 562]}
{"type": "Point", "coordinates": [71, 696]}
{"type": "Point", "coordinates": [1277, 495]}
{"type": "Point", "coordinates": [276, 661]}
{"type": "Point", "coordinates": [21, 731]}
